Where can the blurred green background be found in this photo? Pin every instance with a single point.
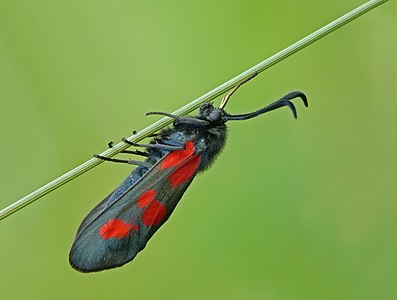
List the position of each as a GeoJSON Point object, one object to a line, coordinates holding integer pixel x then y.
{"type": "Point", "coordinates": [302, 209]}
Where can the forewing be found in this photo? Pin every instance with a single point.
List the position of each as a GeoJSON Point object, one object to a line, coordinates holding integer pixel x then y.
{"type": "Point", "coordinates": [113, 235]}
{"type": "Point", "coordinates": [124, 187]}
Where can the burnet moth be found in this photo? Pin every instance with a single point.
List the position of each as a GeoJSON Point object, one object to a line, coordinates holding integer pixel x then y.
{"type": "Point", "coordinates": [121, 225]}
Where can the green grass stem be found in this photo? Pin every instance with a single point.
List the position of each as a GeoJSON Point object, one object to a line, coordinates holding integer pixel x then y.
{"type": "Point", "coordinates": [267, 63]}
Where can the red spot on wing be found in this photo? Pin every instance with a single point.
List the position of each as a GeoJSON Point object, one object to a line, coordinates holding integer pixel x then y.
{"type": "Point", "coordinates": [146, 198]}
{"type": "Point", "coordinates": [116, 228]}
{"type": "Point", "coordinates": [154, 213]}
{"type": "Point", "coordinates": [176, 157]}
{"type": "Point", "coordinates": [184, 172]}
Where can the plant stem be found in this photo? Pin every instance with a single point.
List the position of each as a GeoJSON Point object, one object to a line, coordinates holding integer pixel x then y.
{"type": "Point", "coordinates": [267, 63]}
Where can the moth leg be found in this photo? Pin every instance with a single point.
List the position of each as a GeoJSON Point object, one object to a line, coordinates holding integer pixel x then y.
{"type": "Point", "coordinates": [180, 119]}
{"type": "Point", "coordinates": [155, 146]}
{"type": "Point", "coordinates": [226, 98]}
{"type": "Point", "coordinates": [125, 161]}
{"type": "Point", "coordinates": [173, 143]}
{"type": "Point", "coordinates": [135, 152]}
{"type": "Point", "coordinates": [149, 136]}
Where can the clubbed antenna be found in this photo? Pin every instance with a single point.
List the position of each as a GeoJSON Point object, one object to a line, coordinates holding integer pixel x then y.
{"type": "Point", "coordinates": [284, 101]}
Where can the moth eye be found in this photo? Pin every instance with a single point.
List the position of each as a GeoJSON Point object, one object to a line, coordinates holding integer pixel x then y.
{"type": "Point", "coordinates": [215, 116]}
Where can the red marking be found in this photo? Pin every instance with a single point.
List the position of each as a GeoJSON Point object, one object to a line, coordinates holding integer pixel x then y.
{"type": "Point", "coordinates": [185, 172]}
{"type": "Point", "coordinates": [146, 198]}
{"type": "Point", "coordinates": [154, 213]}
{"type": "Point", "coordinates": [135, 227]}
{"type": "Point", "coordinates": [116, 228]}
{"type": "Point", "coordinates": [176, 157]}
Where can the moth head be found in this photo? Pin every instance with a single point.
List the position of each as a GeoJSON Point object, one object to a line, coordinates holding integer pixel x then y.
{"type": "Point", "coordinates": [214, 115]}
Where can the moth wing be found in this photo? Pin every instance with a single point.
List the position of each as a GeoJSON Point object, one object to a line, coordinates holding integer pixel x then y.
{"type": "Point", "coordinates": [117, 194]}
{"type": "Point", "coordinates": [112, 236]}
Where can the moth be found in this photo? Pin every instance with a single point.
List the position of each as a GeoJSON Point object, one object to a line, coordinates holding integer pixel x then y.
{"type": "Point", "coordinates": [120, 226]}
